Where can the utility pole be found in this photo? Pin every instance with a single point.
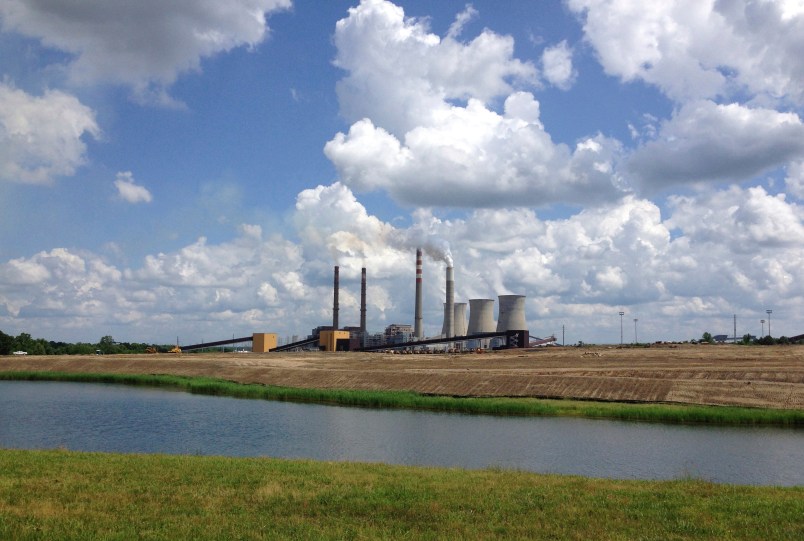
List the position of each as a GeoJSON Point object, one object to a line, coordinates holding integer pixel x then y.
{"type": "Point", "coordinates": [635, 332]}
{"type": "Point", "coordinates": [769, 312]}
{"type": "Point", "coordinates": [621, 327]}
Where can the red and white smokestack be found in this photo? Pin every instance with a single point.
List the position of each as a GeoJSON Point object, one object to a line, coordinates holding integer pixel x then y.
{"type": "Point", "coordinates": [336, 286]}
{"type": "Point", "coordinates": [418, 332]}
{"type": "Point", "coordinates": [363, 300]}
{"type": "Point", "coordinates": [449, 305]}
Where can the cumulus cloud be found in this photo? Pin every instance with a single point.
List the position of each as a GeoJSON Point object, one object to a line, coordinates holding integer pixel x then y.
{"type": "Point", "coordinates": [144, 44]}
{"type": "Point", "coordinates": [557, 66]}
{"type": "Point", "coordinates": [705, 141]}
{"type": "Point", "coordinates": [693, 49]}
{"type": "Point", "coordinates": [425, 129]}
{"type": "Point", "coordinates": [129, 191]}
{"type": "Point", "coordinates": [400, 75]}
{"type": "Point", "coordinates": [474, 157]}
{"type": "Point", "coordinates": [41, 138]}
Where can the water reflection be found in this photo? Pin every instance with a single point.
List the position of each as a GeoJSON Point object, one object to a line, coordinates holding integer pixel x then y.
{"type": "Point", "coordinates": [90, 417]}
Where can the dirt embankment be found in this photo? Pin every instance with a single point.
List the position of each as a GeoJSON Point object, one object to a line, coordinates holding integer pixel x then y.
{"type": "Point", "coordinates": [770, 377]}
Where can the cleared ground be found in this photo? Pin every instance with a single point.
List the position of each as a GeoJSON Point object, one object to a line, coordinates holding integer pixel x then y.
{"type": "Point", "coordinates": [771, 377]}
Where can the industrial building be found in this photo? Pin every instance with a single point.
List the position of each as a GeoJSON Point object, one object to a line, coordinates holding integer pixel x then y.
{"type": "Point", "coordinates": [510, 329]}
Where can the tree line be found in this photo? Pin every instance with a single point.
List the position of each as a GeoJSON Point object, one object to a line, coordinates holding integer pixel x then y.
{"type": "Point", "coordinates": [39, 346]}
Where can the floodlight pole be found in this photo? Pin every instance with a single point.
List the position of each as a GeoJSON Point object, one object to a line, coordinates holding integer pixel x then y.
{"type": "Point", "coordinates": [635, 332]}
{"type": "Point", "coordinates": [769, 312]}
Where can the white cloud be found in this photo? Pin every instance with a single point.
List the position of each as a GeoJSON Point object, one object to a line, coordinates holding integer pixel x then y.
{"type": "Point", "coordinates": [557, 66]}
{"type": "Point", "coordinates": [400, 75]}
{"type": "Point", "coordinates": [129, 191]}
{"type": "Point", "coordinates": [425, 129]}
{"type": "Point", "coordinates": [709, 142]}
{"type": "Point", "coordinates": [695, 49]}
{"type": "Point", "coordinates": [473, 157]}
{"type": "Point", "coordinates": [41, 137]}
{"type": "Point", "coordinates": [144, 44]}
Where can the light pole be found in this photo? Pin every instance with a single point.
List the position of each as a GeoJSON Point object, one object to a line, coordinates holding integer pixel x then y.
{"type": "Point", "coordinates": [635, 333]}
{"type": "Point", "coordinates": [621, 327]}
{"type": "Point", "coordinates": [769, 312]}
{"type": "Point", "coordinates": [763, 328]}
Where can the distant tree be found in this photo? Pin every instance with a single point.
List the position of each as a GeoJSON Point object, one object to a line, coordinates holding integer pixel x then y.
{"type": "Point", "coordinates": [107, 345]}
{"type": "Point", "coordinates": [783, 340]}
{"type": "Point", "coordinates": [766, 341]}
{"type": "Point", "coordinates": [746, 339]}
{"type": "Point", "coordinates": [707, 337]}
{"type": "Point", "coordinates": [23, 342]}
{"type": "Point", "coordinates": [6, 343]}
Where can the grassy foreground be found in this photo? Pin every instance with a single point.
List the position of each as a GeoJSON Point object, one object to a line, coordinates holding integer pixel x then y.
{"type": "Point", "coordinates": [67, 495]}
{"type": "Point", "coordinates": [664, 413]}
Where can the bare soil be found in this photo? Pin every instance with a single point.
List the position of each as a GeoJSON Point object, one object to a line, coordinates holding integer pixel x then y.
{"type": "Point", "coordinates": [767, 377]}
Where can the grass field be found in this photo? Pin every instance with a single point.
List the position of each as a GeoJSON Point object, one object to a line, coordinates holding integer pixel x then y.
{"type": "Point", "coordinates": [66, 495]}
{"type": "Point", "coordinates": [400, 399]}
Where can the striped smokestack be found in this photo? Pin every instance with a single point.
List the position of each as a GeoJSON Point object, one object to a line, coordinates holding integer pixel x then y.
{"type": "Point", "coordinates": [418, 332]}
{"type": "Point", "coordinates": [363, 300]}
{"type": "Point", "coordinates": [336, 286]}
{"type": "Point", "coordinates": [449, 306]}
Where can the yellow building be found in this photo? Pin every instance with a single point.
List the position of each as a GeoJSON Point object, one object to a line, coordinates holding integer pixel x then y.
{"type": "Point", "coordinates": [334, 340]}
{"type": "Point", "coordinates": [263, 342]}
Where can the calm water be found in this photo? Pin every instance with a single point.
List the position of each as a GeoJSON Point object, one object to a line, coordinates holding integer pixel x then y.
{"type": "Point", "coordinates": [92, 417]}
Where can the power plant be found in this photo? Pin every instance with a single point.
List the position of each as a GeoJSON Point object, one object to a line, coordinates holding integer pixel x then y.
{"type": "Point", "coordinates": [510, 329]}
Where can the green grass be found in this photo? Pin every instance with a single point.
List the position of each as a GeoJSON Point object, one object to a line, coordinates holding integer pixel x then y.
{"type": "Point", "coordinates": [58, 495]}
{"type": "Point", "coordinates": [664, 413]}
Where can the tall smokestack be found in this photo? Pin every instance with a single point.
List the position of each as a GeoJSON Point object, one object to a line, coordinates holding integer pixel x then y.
{"type": "Point", "coordinates": [418, 332]}
{"type": "Point", "coordinates": [336, 286]}
{"type": "Point", "coordinates": [363, 300]}
{"type": "Point", "coordinates": [449, 306]}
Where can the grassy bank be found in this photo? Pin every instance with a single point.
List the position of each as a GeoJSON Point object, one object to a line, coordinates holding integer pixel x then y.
{"type": "Point", "coordinates": [66, 495]}
{"type": "Point", "coordinates": [664, 413]}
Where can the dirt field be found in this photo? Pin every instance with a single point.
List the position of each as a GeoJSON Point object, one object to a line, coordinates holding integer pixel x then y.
{"type": "Point", "coordinates": [724, 375]}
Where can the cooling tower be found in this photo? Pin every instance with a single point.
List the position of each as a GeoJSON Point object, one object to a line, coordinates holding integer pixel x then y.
{"type": "Point", "coordinates": [336, 285]}
{"type": "Point", "coordinates": [459, 321]}
{"type": "Point", "coordinates": [512, 313]}
{"type": "Point", "coordinates": [418, 332]}
{"type": "Point", "coordinates": [481, 316]}
{"type": "Point", "coordinates": [448, 330]}
{"type": "Point", "coordinates": [363, 300]}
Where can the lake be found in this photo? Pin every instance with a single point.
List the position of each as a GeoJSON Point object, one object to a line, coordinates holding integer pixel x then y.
{"type": "Point", "coordinates": [115, 418]}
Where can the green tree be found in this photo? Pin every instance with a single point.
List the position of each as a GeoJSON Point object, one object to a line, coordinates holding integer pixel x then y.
{"type": "Point", "coordinates": [107, 345]}
{"type": "Point", "coordinates": [6, 343]}
{"type": "Point", "coordinates": [707, 337]}
{"type": "Point", "coordinates": [23, 342]}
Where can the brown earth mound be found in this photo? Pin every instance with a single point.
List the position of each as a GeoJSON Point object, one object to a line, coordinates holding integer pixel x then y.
{"type": "Point", "coordinates": [770, 377]}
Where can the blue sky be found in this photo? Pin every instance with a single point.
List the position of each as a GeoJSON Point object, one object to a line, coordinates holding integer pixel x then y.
{"type": "Point", "coordinates": [196, 170]}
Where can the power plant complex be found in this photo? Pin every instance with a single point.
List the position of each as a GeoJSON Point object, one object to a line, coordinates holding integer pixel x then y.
{"type": "Point", "coordinates": [509, 331]}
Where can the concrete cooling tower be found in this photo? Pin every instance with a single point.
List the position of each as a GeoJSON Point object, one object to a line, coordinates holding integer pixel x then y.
{"type": "Point", "coordinates": [481, 316]}
{"type": "Point", "coordinates": [512, 313]}
{"type": "Point", "coordinates": [459, 320]}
